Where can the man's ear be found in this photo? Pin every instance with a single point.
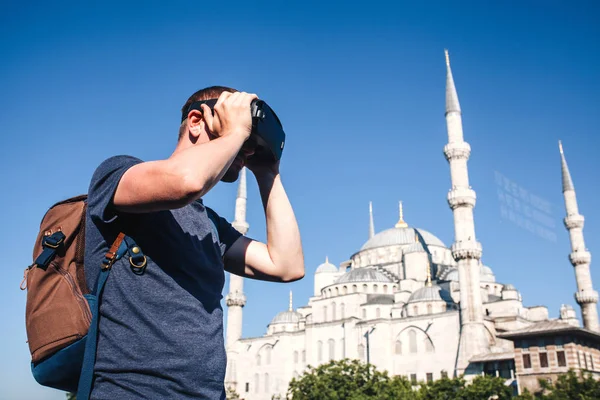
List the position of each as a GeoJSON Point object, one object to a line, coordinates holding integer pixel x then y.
{"type": "Point", "coordinates": [195, 123]}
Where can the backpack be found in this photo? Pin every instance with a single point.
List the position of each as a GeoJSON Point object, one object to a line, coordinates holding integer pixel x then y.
{"type": "Point", "coordinates": [61, 313]}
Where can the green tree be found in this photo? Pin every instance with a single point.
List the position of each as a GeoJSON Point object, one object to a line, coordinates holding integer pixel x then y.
{"type": "Point", "coordinates": [570, 386]}
{"type": "Point", "coordinates": [485, 387]}
{"type": "Point", "coordinates": [442, 389]}
{"type": "Point", "coordinates": [231, 394]}
{"type": "Point", "coordinates": [348, 380]}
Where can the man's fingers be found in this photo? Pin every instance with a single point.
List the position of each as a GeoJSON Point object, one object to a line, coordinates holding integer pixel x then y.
{"type": "Point", "coordinates": [222, 98]}
{"type": "Point", "coordinates": [208, 116]}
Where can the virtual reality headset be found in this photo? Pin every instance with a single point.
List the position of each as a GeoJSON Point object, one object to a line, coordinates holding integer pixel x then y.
{"type": "Point", "coordinates": [267, 130]}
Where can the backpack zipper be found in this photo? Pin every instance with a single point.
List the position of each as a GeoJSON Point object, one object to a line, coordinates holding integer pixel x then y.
{"type": "Point", "coordinates": [83, 304]}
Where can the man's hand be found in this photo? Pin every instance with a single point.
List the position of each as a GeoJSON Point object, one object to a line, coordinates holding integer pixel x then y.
{"type": "Point", "coordinates": [231, 115]}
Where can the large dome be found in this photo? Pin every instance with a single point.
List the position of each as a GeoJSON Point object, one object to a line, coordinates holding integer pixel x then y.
{"type": "Point", "coordinates": [399, 236]}
{"type": "Point", "coordinates": [363, 275]}
{"type": "Point", "coordinates": [326, 267]}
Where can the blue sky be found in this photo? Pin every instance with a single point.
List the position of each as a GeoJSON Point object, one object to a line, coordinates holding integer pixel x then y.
{"type": "Point", "coordinates": [360, 90]}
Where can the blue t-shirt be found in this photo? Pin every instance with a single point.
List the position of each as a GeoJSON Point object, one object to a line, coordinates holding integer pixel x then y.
{"type": "Point", "coordinates": [160, 333]}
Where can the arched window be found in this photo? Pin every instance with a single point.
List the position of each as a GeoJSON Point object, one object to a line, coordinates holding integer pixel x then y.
{"type": "Point", "coordinates": [256, 383]}
{"type": "Point", "coordinates": [354, 289]}
{"type": "Point", "coordinates": [331, 344]}
{"type": "Point", "coordinates": [364, 313]}
{"type": "Point", "coordinates": [361, 351]}
{"type": "Point", "coordinates": [415, 310]}
{"type": "Point", "coordinates": [342, 311]}
{"type": "Point", "coordinates": [337, 291]}
{"type": "Point", "coordinates": [428, 345]}
{"type": "Point", "coordinates": [429, 309]}
{"type": "Point", "coordinates": [303, 355]}
{"type": "Point", "coordinates": [333, 312]}
{"type": "Point", "coordinates": [412, 341]}
{"type": "Point", "coordinates": [268, 351]}
{"type": "Point", "coordinates": [258, 359]}
{"type": "Point", "coordinates": [343, 348]}
{"type": "Point", "coordinates": [295, 357]}
{"type": "Point", "coordinates": [398, 347]}
{"type": "Point", "coordinates": [345, 290]}
{"type": "Point", "coordinates": [375, 288]}
{"type": "Point", "coordinates": [320, 351]}
{"type": "Point", "coordinates": [365, 287]}
{"type": "Point", "coordinates": [385, 287]}
{"type": "Point", "coordinates": [266, 382]}
{"type": "Point", "coordinates": [325, 313]}
{"type": "Point", "coordinates": [377, 313]}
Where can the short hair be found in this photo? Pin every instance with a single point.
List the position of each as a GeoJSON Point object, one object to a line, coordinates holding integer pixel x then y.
{"type": "Point", "coordinates": [211, 92]}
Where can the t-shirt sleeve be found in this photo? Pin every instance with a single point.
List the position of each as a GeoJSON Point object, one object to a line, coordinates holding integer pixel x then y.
{"type": "Point", "coordinates": [104, 185]}
{"type": "Point", "coordinates": [227, 233]}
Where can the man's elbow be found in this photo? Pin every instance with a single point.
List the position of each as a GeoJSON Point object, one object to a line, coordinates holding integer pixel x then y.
{"type": "Point", "coordinates": [294, 274]}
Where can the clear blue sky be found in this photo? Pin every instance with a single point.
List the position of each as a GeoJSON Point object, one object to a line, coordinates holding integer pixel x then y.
{"type": "Point", "coordinates": [360, 90]}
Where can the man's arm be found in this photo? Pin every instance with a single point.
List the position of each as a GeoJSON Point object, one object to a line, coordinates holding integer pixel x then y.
{"type": "Point", "coordinates": [281, 259]}
{"type": "Point", "coordinates": [190, 173]}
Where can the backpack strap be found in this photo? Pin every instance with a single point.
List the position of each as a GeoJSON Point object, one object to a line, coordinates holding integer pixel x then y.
{"type": "Point", "coordinates": [51, 245]}
{"type": "Point", "coordinates": [122, 245]}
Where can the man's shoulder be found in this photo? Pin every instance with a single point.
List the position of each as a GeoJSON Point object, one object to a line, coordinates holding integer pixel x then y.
{"type": "Point", "coordinates": [116, 162]}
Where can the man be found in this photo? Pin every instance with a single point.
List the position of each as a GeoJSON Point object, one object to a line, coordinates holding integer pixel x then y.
{"type": "Point", "coordinates": [161, 332]}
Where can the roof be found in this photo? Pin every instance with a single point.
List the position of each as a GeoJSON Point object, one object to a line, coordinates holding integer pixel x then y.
{"type": "Point", "coordinates": [508, 355]}
{"type": "Point", "coordinates": [326, 267]}
{"type": "Point", "coordinates": [395, 236]}
{"type": "Point", "coordinates": [363, 275]}
{"type": "Point", "coordinates": [430, 293]}
{"type": "Point", "coordinates": [287, 317]}
{"type": "Point", "coordinates": [551, 327]}
{"type": "Point", "coordinates": [380, 299]}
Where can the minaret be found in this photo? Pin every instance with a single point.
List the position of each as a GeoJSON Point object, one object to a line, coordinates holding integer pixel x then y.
{"type": "Point", "coordinates": [465, 250]}
{"type": "Point", "coordinates": [291, 308]}
{"type": "Point", "coordinates": [371, 223]}
{"type": "Point", "coordinates": [236, 300]}
{"type": "Point", "coordinates": [585, 296]}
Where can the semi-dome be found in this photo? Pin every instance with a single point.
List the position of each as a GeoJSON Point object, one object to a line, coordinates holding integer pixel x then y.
{"type": "Point", "coordinates": [508, 286]}
{"type": "Point", "coordinates": [399, 236]}
{"type": "Point", "coordinates": [430, 293]}
{"type": "Point", "coordinates": [326, 267]}
{"type": "Point", "coordinates": [363, 275]}
{"type": "Point", "coordinates": [452, 275]}
{"type": "Point", "coordinates": [416, 247]}
{"type": "Point", "coordinates": [486, 274]}
{"type": "Point", "coordinates": [287, 317]}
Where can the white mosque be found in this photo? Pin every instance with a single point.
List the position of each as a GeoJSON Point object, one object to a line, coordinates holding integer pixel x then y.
{"type": "Point", "coordinates": [405, 302]}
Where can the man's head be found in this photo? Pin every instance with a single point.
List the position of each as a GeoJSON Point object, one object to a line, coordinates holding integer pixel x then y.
{"type": "Point", "coordinates": [193, 129]}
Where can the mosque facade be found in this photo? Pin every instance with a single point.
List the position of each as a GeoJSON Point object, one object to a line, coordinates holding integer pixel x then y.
{"type": "Point", "coordinates": [406, 302]}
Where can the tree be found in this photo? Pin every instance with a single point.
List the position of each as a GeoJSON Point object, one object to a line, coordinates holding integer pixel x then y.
{"type": "Point", "coordinates": [231, 394]}
{"type": "Point", "coordinates": [485, 387]}
{"type": "Point", "coordinates": [348, 380]}
{"type": "Point", "coordinates": [570, 386]}
{"type": "Point", "coordinates": [442, 389]}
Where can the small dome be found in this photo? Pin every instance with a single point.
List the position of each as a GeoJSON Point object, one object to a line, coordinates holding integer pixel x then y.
{"type": "Point", "coordinates": [452, 275]}
{"type": "Point", "coordinates": [430, 293]}
{"type": "Point", "coordinates": [508, 287]}
{"type": "Point", "coordinates": [398, 236]}
{"type": "Point", "coordinates": [363, 275]}
{"type": "Point", "coordinates": [416, 247]}
{"type": "Point", "coordinates": [287, 317]}
{"type": "Point", "coordinates": [486, 274]}
{"type": "Point", "coordinates": [326, 267]}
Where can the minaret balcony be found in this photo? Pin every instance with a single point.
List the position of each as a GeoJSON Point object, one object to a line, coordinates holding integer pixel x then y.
{"type": "Point", "coordinates": [240, 226]}
{"type": "Point", "coordinates": [580, 257]}
{"type": "Point", "coordinates": [457, 150]}
{"type": "Point", "coordinates": [235, 299]}
{"type": "Point", "coordinates": [458, 197]}
{"type": "Point", "coordinates": [574, 221]}
{"type": "Point", "coordinates": [466, 249]}
{"type": "Point", "coordinates": [586, 297]}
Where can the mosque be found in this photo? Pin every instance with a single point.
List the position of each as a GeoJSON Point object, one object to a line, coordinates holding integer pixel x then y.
{"type": "Point", "coordinates": [409, 304]}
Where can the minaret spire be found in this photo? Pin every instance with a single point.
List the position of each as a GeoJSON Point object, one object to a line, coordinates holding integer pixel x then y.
{"type": "Point", "coordinates": [291, 304]}
{"type": "Point", "coordinates": [401, 223]}
{"type": "Point", "coordinates": [371, 223]}
{"type": "Point", "coordinates": [580, 258]}
{"type": "Point", "coordinates": [452, 104]}
{"type": "Point", "coordinates": [236, 299]}
{"type": "Point", "coordinates": [466, 250]}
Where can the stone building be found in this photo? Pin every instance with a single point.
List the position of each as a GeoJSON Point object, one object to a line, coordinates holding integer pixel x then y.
{"type": "Point", "coordinates": [427, 309]}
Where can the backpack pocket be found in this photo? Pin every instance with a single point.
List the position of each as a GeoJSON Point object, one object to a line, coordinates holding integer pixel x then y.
{"type": "Point", "coordinates": [57, 313]}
